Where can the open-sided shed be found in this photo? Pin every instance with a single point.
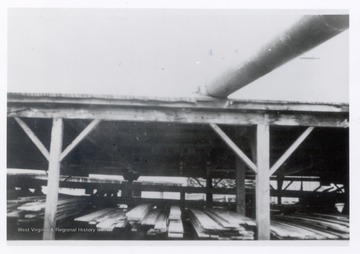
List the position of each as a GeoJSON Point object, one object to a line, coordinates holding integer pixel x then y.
{"type": "Point", "coordinates": [204, 137]}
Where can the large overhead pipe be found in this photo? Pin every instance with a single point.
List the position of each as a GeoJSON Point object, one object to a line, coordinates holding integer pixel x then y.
{"type": "Point", "coordinates": [307, 33]}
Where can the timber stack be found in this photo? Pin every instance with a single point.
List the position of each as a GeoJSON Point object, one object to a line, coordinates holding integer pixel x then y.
{"type": "Point", "coordinates": [151, 221]}
{"type": "Point", "coordinates": [217, 224]}
{"type": "Point", "coordinates": [176, 228]}
{"type": "Point", "coordinates": [300, 226]}
{"type": "Point", "coordinates": [105, 220]}
{"type": "Point", "coordinates": [32, 209]}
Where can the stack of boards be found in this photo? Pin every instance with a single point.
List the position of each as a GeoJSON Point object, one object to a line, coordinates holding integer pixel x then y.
{"type": "Point", "coordinates": [221, 224]}
{"type": "Point", "coordinates": [176, 228]}
{"type": "Point", "coordinates": [32, 209]}
{"type": "Point", "coordinates": [157, 221]}
{"type": "Point", "coordinates": [310, 227]}
{"type": "Point", "coordinates": [144, 218]}
{"type": "Point", "coordinates": [208, 223]}
{"type": "Point", "coordinates": [105, 220]}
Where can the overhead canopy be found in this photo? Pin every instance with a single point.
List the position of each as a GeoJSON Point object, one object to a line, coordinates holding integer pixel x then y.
{"type": "Point", "coordinates": [175, 148]}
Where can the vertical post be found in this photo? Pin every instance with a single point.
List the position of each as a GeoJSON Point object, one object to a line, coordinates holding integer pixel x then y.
{"type": "Point", "coordinates": [53, 180]}
{"type": "Point", "coordinates": [346, 209]}
{"type": "Point", "coordinates": [209, 196]}
{"type": "Point", "coordinates": [263, 182]}
{"type": "Point", "coordinates": [182, 199]}
{"type": "Point", "coordinates": [347, 186]}
{"type": "Point", "coordinates": [280, 182]}
{"type": "Point", "coordinates": [240, 187]}
{"type": "Point", "coordinates": [252, 142]}
{"type": "Point", "coordinates": [125, 191]}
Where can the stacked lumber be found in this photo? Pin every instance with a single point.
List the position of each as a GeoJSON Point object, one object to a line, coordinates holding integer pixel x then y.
{"type": "Point", "coordinates": [156, 221]}
{"type": "Point", "coordinates": [137, 214]}
{"type": "Point", "coordinates": [31, 209]}
{"type": "Point", "coordinates": [149, 220]}
{"type": "Point", "coordinates": [105, 220]}
{"type": "Point", "coordinates": [13, 204]}
{"type": "Point", "coordinates": [310, 227]}
{"type": "Point", "coordinates": [161, 223]}
{"type": "Point", "coordinates": [176, 228]}
{"type": "Point", "coordinates": [144, 219]}
{"type": "Point", "coordinates": [234, 218]}
{"type": "Point", "coordinates": [219, 224]}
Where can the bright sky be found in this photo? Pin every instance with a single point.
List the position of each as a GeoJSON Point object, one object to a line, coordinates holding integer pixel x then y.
{"type": "Point", "coordinates": [163, 53]}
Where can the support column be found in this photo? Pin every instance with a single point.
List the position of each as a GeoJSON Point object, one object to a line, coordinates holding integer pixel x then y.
{"type": "Point", "coordinates": [182, 199]}
{"type": "Point", "coordinates": [53, 180]}
{"type": "Point", "coordinates": [263, 182]}
{"type": "Point", "coordinates": [252, 142]}
{"type": "Point", "coordinates": [240, 187]}
{"type": "Point", "coordinates": [280, 182]}
{"type": "Point", "coordinates": [346, 209]}
{"type": "Point", "coordinates": [209, 196]}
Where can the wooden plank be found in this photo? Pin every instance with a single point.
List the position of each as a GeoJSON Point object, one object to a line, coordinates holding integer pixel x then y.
{"type": "Point", "coordinates": [290, 150]}
{"type": "Point", "coordinates": [150, 218]}
{"type": "Point", "coordinates": [205, 221]}
{"type": "Point", "coordinates": [338, 217]}
{"type": "Point", "coordinates": [240, 187]}
{"type": "Point", "coordinates": [210, 223]}
{"type": "Point", "coordinates": [53, 179]}
{"type": "Point", "coordinates": [79, 138]}
{"type": "Point", "coordinates": [218, 218]}
{"type": "Point", "coordinates": [263, 182]}
{"type": "Point", "coordinates": [113, 214]}
{"type": "Point", "coordinates": [162, 221]}
{"type": "Point", "coordinates": [110, 220]}
{"type": "Point", "coordinates": [234, 218]}
{"type": "Point", "coordinates": [139, 212]}
{"type": "Point", "coordinates": [310, 221]}
{"type": "Point", "coordinates": [34, 210]}
{"type": "Point", "coordinates": [175, 213]}
{"type": "Point", "coordinates": [289, 231]}
{"type": "Point", "coordinates": [92, 216]}
{"type": "Point", "coordinates": [175, 229]}
{"type": "Point", "coordinates": [242, 156]}
{"type": "Point", "coordinates": [179, 115]}
{"type": "Point", "coordinates": [33, 137]}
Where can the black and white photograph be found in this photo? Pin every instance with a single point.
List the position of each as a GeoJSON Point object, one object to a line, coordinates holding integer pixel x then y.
{"type": "Point", "coordinates": [178, 125]}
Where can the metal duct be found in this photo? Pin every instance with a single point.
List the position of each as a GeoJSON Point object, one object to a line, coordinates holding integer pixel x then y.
{"type": "Point", "coordinates": [307, 33]}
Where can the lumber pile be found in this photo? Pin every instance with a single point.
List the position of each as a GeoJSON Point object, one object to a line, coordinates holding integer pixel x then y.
{"type": "Point", "coordinates": [105, 220]}
{"type": "Point", "coordinates": [32, 209]}
{"type": "Point", "coordinates": [176, 228]}
{"type": "Point", "coordinates": [13, 204]}
{"type": "Point", "coordinates": [157, 221]}
{"type": "Point", "coordinates": [220, 224]}
{"type": "Point", "coordinates": [149, 220]}
{"type": "Point", "coordinates": [161, 223]}
{"type": "Point", "coordinates": [144, 219]}
{"type": "Point", "coordinates": [137, 214]}
{"type": "Point", "coordinates": [310, 227]}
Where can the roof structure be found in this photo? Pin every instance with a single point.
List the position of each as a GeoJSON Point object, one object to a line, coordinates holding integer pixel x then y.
{"type": "Point", "coordinates": [174, 136]}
